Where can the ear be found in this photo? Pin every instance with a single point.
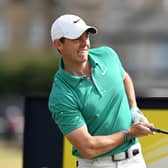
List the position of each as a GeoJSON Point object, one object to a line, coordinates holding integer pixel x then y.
{"type": "Point", "coordinates": [58, 44]}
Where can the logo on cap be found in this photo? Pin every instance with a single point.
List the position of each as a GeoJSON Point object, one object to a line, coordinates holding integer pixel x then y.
{"type": "Point", "coordinates": [75, 21]}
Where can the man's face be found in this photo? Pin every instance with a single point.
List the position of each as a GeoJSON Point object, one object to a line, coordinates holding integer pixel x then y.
{"type": "Point", "coordinates": [75, 51]}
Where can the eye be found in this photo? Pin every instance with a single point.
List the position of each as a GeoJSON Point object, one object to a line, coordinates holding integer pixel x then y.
{"type": "Point", "coordinates": [84, 36]}
{"type": "Point", "coordinates": [76, 39]}
{"type": "Point", "coordinates": [87, 35]}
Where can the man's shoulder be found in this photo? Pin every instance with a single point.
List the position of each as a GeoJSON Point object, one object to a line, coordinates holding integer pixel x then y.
{"type": "Point", "coordinates": [102, 50]}
{"type": "Point", "coordinates": [105, 52]}
{"type": "Point", "coordinates": [59, 93]}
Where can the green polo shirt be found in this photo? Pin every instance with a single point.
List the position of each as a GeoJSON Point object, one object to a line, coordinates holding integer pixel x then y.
{"type": "Point", "coordinates": [100, 103]}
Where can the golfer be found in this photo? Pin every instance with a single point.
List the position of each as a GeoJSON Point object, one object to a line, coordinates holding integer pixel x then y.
{"type": "Point", "coordinates": [92, 100]}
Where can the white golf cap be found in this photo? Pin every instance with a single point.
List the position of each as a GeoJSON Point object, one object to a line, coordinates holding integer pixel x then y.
{"type": "Point", "coordinates": [69, 26]}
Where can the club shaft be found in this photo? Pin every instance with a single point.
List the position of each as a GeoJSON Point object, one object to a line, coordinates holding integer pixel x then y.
{"type": "Point", "coordinates": [158, 130]}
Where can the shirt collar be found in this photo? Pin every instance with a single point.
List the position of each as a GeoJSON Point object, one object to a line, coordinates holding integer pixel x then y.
{"type": "Point", "coordinates": [66, 76]}
{"type": "Point", "coordinates": [72, 79]}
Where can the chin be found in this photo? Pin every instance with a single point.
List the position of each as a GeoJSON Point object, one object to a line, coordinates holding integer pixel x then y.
{"type": "Point", "coordinates": [83, 57]}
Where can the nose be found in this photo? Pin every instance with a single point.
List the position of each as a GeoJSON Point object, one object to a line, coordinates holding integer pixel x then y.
{"type": "Point", "coordinates": [83, 41]}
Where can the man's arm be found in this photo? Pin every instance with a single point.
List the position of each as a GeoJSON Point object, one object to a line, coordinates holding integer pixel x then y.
{"type": "Point", "coordinates": [138, 116]}
{"type": "Point", "coordinates": [130, 91]}
{"type": "Point", "coordinates": [91, 146]}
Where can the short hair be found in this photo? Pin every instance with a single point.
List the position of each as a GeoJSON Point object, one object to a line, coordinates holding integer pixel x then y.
{"type": "Point", "coordinates": [62, 39]}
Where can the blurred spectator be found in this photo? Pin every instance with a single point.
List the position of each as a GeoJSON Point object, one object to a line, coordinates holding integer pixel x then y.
{"type": "Point", "coordinates": [13, 125]}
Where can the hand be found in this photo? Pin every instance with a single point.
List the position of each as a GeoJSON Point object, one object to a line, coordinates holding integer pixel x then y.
{"type": "Point", "coordinates": [140, 129]}
{"type": "Point", "coordinates": [138, 116]}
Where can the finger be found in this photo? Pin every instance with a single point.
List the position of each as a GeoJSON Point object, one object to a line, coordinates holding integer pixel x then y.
{"type": "Point", "coordinates": [150, 125]}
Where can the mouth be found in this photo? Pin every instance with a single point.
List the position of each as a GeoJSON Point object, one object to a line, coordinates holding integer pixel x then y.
{"type": "Point", "coordinates": [83, 51]}
{"type": "Point", "coordinates": [82, 54]}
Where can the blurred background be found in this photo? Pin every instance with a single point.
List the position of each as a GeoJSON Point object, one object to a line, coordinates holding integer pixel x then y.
{"type": "Point", "coordinates": [136, 29]}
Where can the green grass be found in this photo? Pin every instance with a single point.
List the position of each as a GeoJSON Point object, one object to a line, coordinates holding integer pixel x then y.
{"type": "Point", "coordinates": [10, 156]}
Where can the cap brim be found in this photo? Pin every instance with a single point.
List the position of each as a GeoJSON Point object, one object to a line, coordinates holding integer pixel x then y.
{"type": "Point", "coordinates": [77, 34]}
{"type": "Point", "coordinates": [92, 30]}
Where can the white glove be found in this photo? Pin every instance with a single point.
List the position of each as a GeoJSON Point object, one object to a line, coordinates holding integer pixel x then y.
{"type": "Point", "coordinates": [138, 116]}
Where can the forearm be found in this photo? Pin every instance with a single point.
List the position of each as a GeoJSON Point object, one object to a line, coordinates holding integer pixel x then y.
{"type": "Point", "coordinates": [130, 91]}
{"type": "Point", "coordinates": [92, 146]}
{"type": "Point", "coordinates": [103, 144]}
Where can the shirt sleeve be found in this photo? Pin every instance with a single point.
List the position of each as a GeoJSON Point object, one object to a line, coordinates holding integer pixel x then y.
{"type": "Point", "coordinates": [65, 113]}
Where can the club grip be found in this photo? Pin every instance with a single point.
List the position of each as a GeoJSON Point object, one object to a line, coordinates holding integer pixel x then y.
{"type": "Point", "coordinates": [158, 130]}
{"type": "Point", "coordinates": [154, 129]}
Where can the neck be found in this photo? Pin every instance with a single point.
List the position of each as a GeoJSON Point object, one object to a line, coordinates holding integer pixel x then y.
{"type": "Point", "coordinates": [80, 69]}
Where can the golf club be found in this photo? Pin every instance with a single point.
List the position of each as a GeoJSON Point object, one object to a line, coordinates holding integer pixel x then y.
{"type": "Point", "coordinates": [158, 130]}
